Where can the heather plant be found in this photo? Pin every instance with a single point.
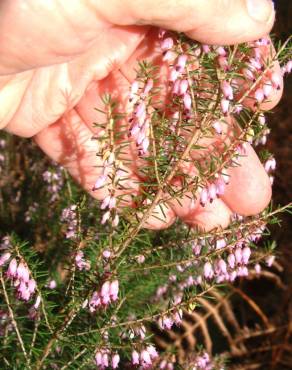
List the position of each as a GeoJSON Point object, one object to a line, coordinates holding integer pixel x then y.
{"type": "Point", "coordinates": [82, 279]}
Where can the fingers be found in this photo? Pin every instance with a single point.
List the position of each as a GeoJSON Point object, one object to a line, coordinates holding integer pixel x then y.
{"type": "Point", "coordinates": [35, 34]}
{"type": "Point", "coordinates": [213, 21]}
{"type": "Point", "coordinates": [249, 190]}
{"type": "Point", "coordinates": [214, 215]}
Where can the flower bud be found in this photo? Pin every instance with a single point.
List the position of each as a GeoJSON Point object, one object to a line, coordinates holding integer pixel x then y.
{"type": "Point", "coordinates": [183, 87]}
{"type": "Point", "coordinates": [231, 260]}
{"type": "Point", "coordinates": [4, 258]}
{"type": "Point", "coordinates": [246, 252]}
{"type": "Point", "coordinates": [114, 290]}
{"type": "Point", "coordinates": [208, 270]}
{"type": "Point", "coordinates": [276, 80]}
{"type": "Point", "coordinates": [259, 95]}
{"type": "Point", "coordinates": [12, 268]}
{"type": "Point", "coordinates": [135, 358]}
{"type": "Point", "coordinates": [167, 44]}
{"type": "Point", "coordinates": [226, 90]}
{"type": "Point", "coordinates": [217, 127]}
{"type": "Point", "coordinates": [224, 103]}
{"type": "Point", "coordinates": [145, 356]}
{"type": "Point", "coordinates": [115, 361]}
{"type": "Point", "coordinates": [181, 62]}
{"type": "Point", "coordinates": [204, 197]}
{"type": "Point", "coordinates": [187, 102]}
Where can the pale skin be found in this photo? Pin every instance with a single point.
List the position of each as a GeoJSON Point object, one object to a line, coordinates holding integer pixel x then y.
{"type": "Point", "coordinates": [58, 57]}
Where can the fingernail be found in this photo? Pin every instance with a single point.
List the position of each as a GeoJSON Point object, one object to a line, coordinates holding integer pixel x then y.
{"type": "Point", "coordinates": [260, 10]}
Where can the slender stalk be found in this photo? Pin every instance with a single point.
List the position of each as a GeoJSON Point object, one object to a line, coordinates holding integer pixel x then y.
{"type": "Point", "coordinates": [14, 323]}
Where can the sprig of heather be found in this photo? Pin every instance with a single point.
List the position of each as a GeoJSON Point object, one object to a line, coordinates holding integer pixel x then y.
{"type": "Point", "coordinates": [108, 289]}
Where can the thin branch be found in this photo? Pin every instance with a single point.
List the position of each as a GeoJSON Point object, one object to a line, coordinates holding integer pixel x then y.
{"type": "Point", "coordinates": [14, 323]}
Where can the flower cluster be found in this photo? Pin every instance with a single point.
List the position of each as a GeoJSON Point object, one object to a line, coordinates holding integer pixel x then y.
{"type": "Point", "coordinates": [216, 259]}
{"type": "Point", "coordinates": [19, 275]}
{"type": "Point", "coordinates": [104, 358]}
{"type": "Point", "coordinates": [214, 190]}
{"type": "Point", "coordinates": [110, 177]}
{"type": "Point", "coordinates": [32, 209]}
{"type": "Point", "coordinates": [140, 114]}
{"type": "Point", "coordinates": [54, 180]}
{"type": "Point", "coordinates": [228, 266]}
{"type": "Point", "coordinates": [81, 263]}
{"type": "Point", "coordinates": [167, 321]}
{"type": "Point", "coordinates": [144, 357]}
{"type": "Point", "coordinates": [108, 293]}
{"type": "Point", "coordinates": [203, 362]}
{"type": "Point", "coordinates": [69, 216]}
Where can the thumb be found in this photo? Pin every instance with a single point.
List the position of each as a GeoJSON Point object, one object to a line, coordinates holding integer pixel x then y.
{"type": "Point", "coordinates": [36, 33]}
{"type": "Point", "coordinates": [212, 21]}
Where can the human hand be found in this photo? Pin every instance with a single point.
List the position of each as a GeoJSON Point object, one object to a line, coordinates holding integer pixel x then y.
{"type": "Point", "coordinates": [58, 58]}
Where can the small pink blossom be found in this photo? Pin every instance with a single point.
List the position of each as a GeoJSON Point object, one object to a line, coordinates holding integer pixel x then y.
{"type": "Point", "coordinates": [31, 286]}
{"type": "Point", "coordinates": [183, 87]}
{"type": "Point", "coordinates": [224, 103]}
{"type": "Point", "coordinates": [4, 258]}
{"type": "Point", "coordinates": [221, 51]}
{"type": "Point", "coordinates": [220, 186]}
{"type": "Point", "coordinates": [223, 63]}
{"type": "Point", "coordinates": [226, 90]}
{"type": "Point", "coordinates": [101, 180]}
{"type": "Point", "coordinates": [267, 89]}
{"type": "Point", "coordinates": [206, 48]}
{"type": "Point", "coordinates": [105, 289]}
{"type": "Point", "coordinates": [135, 358]}
{"type": "Point", "coordinates": [145, 357]}
{"type": "Point", "coordinates": [220, 243]}
{"type": "Point", "coordinates": [255, 64]}
{"type": "Point", "coordinates": [257, 268]}
{"type": "Point", "coordinates": [140, 258]}
{"type": "Point", "coordinates": [181, 62]}
{"type": "Point", "coordinates": [248, 74]}
{"type": "Point", "coordinates": [169, 56]}
{"type": "Point", "coordinates": [262, 119]}
{"type": "Point", "coordinates": [217, 127]}
{"type": "Point", "coordinates": [208, 270]}
{"type": "Point", "coordinates": [106, 253]}
{"type": "Point", "coordinates": [115, 360]}
{"type": "Point", "coordinates": [152, 351]}
{"type": "Point", "coordinates": [37, 302]}
{"type": "Point", "coordinates": [259, 95]}
{"type": "Point", "coordinates": [106, 216]}
{"type": "Point", "coordinates": [270, 165]}
{"type": "Point", "coordinates": [187, 100]}
{"type": "Point", "coordinates": [276, 80]}
{"type": "Point", "coordinates": [12, 268]}
{"type": "Point", "coordinates": [231, 260]}
{"type": "Point", "coordinates": [238, 255]}
{"type": "Point", "coordinates": [204, 197]}
{"type": "Point", "coordinates": [148, 87]}
{"type": "Point", "coordinates": [167, 44]}
{"type": "Point", "coordinates": [270, 260]}
{"type": "Point", "coordinates": [173, 76]}
{"type": "Point", "coordinates": [246, 252]}
{"type": "Point", "coordinates": [114, 290]}
{"type": "Point", "coordinates": [212, 192]}
{"type": "Point", "coordinates": [52, 284]}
